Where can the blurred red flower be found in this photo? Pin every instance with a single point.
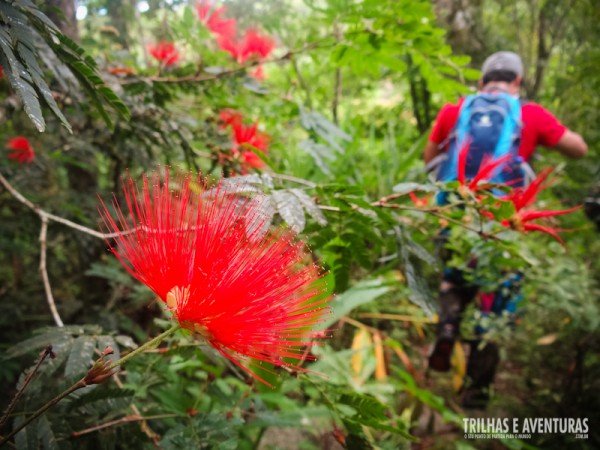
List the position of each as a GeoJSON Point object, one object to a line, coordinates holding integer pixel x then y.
{"type": "Point", "coordinates": [523, 197]}
{"type": "Point", "coordinates": [258, 73]}
{"type": "Point", "coordinates": [419, 202]}
{"type": "Point", "coordinates": [229, 45]}
{"type": "Point", "coordinates": [485, 171]}
{"type": "Point", "coordinates": [209, 255]}
{"type": "Point", "coordinates": [213, 21]}
{"type": "Point", "coordinates": [255, 45]}
{"type": "Point", "coordinates": [165, 52]}
{"type": "Point", "coordinates": [22, 150]}
{"type": "Point", "coordinates": [229, 117]}
{"type": "Point", "coordinates": [243, 137]}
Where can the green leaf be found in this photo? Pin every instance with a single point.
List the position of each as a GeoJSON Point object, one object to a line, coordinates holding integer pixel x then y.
{"type": "Point", "coordinates": [14, 72]}
{"type": "Point", "coordinates": [405, 188]}
{"type": "Point", "coordinates": [101, 393]}
{"type": "Point", "coordinates": [361, 293]}
{"type": "Point", "coordinates": [310, 206]}
{"type": "Point", "coordinates": [45, 434]}
{"type": "Point", "coordinates": [290, 209]}
{"type": "Point", "coordinates": [81, 356]}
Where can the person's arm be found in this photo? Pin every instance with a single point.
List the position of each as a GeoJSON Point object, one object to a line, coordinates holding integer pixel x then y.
{"type": "Point", "coordinates": [431, 151]}
{"type": "Point", "coordinates": [572, 145]}
{"type": "Point", "coordinates": [441, 128]}
{"type": "Point", "coordinates": [553, 134]}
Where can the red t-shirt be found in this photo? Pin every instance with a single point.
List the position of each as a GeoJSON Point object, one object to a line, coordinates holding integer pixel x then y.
{"type": "Point", "coordinates": [540, 127]}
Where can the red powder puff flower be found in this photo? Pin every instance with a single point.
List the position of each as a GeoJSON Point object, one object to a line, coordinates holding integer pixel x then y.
{"type": "Point", "coordinates": [213, 21]}
{"type": "Point", "coordinates": [249, 291]}
{"type": "Point", "coordinates": [22, 150]}
{"type": "Point", "coordinates": [255, 45]}
{"type": "Point", "coordinates": [165, 52]}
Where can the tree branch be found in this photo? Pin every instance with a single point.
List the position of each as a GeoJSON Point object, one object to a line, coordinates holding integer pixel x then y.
{"type": "Point", "coordinates": [45, 353]}
{"type": "Point", "coordinates": [131, 418]}
{"type": "Point", "coordinates": [44, 272]}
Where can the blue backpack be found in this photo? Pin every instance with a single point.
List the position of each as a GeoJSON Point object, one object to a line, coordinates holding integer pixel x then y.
{"type": "Point", "coordinates": [490, 123]}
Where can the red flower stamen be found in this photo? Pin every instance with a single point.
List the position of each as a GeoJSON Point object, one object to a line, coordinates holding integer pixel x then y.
{"type": "Point", "coordinates": [206, 254]}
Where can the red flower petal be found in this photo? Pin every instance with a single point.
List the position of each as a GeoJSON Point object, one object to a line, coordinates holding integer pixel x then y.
{"type": "Point", "coordinates": [258, 73]}
{"type": "Point", "coordinates": [229, 45]}
{"type": "Point", "coordinates": [255, 44]}
{"type": "Point", "coordinates": [551, 231]}
{"type": "Point", "coordinates": [229, 117]}
{"type": "Point", "coordinates": [462, 162]}
{"type": "Point", "coordinates": [532, 214]}
{"type": "Point", "coordinates": [522, 197]}
{"type": "Point", "coordinates": [222, 27]}
{"type": "Point", "coordinates": [487, 168]}
{"type": "Point", "coordinates": [253, 160]}
{"type": "Point", "coordinates": [206, 254]}
{"type": "Point", "coordinates": [250, 135]}
{"type": "Point", "coordinates": [22, 150]}
{"type": "Point", "coordinates": [203, 8]}
{"type": "Point", "coordinates": [165, 52]}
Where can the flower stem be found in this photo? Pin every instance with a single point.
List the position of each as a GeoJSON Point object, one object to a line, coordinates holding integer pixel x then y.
{"type": "Point", "coordinates": [82, 383]}
{"type": "Point", "coordinates": [148, 345]}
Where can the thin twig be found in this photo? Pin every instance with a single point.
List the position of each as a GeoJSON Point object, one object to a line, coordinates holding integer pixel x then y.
{"type": "Point", "coordinates": [303, 83]}
{"type": "Point", "coordinates": [293, 179]}
{"type": "Point", "coordinates": [80, 384]}
{"type": "Point", "coordinates": [44, 272]}
{"type": "Point", "coordinates": [401, 317]}
{"type": "Point", "coordinates": [143, 424]}
{"type": "Point", "coordinates": [91, 378]}
{"type": "Point", "coordinates": [41, 213]}
{"type": "Point", "coordinates": [45, 353]}
{"type": "Point", "coordinates": [200, 78]}
{"type": "Point", "coordinates": [132, 418]}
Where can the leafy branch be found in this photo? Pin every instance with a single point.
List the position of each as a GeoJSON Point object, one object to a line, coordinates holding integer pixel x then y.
{"type": "Point", "coordinates": [100, 372]}
{"type": "Point", "coordinates": [21, 26]}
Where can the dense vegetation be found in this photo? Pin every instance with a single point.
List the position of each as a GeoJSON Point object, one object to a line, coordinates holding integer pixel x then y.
{"type": "Point", "coordinates": [324, 106]}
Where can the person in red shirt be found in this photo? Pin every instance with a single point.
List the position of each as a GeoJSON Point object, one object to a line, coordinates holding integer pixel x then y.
{"type": "Point", "coordinates": [503, 72]}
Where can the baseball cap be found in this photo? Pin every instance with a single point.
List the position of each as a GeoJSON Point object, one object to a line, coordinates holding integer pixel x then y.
{"type": "Point", "coordinates": [508, 61]}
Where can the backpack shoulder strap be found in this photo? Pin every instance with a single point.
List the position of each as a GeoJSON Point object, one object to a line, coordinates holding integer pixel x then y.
{"type": "Point", "coordinates": [511, 128]}
{"type": "Point", "coordinates": [461, 129]}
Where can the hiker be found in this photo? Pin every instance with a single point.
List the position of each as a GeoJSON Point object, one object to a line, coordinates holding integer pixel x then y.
{"type": "Point", "coordinates": [494, 123]}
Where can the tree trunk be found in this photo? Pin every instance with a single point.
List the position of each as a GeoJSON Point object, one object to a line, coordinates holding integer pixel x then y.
{"type": "Point", "coordinates": [66, 22]}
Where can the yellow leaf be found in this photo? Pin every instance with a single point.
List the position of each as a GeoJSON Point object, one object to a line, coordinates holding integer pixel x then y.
{"type": "Point", "coordinates": [459, 366]}
{"type": "Point", "coordinates": [360, 344]}
{"type": "Point", "coordinates": [380, 372]}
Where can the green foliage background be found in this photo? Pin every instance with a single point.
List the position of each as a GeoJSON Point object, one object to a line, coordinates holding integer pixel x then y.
{"type": "Point", "coordinates": [350, 95]}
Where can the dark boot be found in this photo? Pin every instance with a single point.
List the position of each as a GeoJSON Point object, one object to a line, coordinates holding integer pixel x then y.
{"type": "Point", "coordinates": [452, 303]}
{"type": "Point", "coordinates": [481, 370]}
